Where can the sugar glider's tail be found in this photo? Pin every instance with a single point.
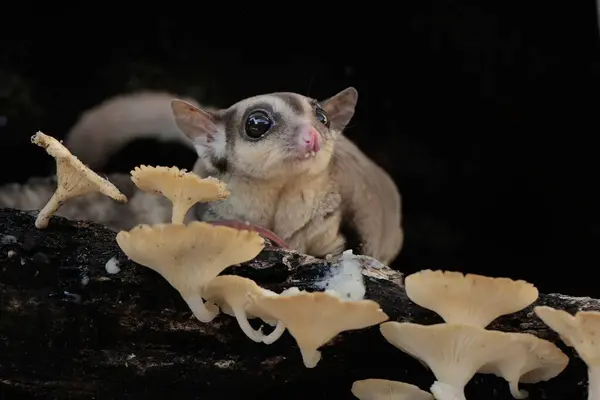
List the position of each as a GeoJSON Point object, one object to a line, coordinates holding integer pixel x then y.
{"type": "Point", "coordinates": [106, 128]}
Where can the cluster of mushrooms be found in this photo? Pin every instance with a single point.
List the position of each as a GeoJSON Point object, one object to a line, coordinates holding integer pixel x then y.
{"type": "Point", "coordinates": [461, 347]}
{"type": "Point", "coordinates": [192, 256]}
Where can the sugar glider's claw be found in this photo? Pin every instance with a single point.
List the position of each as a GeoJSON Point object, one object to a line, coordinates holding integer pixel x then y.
{"type": "Point", "coordinates": [266, 233]}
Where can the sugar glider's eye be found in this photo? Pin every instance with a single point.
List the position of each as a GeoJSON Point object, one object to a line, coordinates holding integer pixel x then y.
{"type": "Point", "coordinates": [258, 124]}
{"type": "Point", "coordinates": [322, 116]}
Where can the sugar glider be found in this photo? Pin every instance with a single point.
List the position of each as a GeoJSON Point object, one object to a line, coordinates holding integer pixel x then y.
{"type": "Point", "coordinates": [284, 157]}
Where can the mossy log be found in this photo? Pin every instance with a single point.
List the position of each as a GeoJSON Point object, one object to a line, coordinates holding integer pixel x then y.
{"type": "Point", "coordinates": [71, 330]}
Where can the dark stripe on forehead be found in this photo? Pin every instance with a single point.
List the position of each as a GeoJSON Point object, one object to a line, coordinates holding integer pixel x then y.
{"type": "Point", "coordinates": [293, 101]}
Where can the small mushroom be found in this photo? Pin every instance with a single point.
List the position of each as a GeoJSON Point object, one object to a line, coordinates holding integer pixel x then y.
{"type": "Point", "coordinates": [529, 360]}
{"type": "Point", "coordinates": [231, 293]}
{"type": "Point", "coordinates": [468, 299]}
{"type": "Point", "coordinates": [580, 331]}
{"type": "Point", "coordinates": [74, 179]}
{"type": "Point", "coordinates": [190, 256]}
{"type": "Point", "coordinates": [454, 353]}
{"type": "Point", "coordinates": [182, 188]}
{"type": "Point", "coordinates": [313, 319]}
{"type": "Point", "coordinates": [382, 389]}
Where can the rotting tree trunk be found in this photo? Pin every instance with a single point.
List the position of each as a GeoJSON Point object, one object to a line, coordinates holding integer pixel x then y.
{"type": "Point", "coordinates": [71, 330]}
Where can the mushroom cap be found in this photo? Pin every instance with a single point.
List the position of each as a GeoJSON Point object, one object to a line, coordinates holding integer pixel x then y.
{"type": "Point", "coordinates": [529, 359]}
{"type": "Point", "coordinates": [313, 319]}
{"type": "Point", "coordinates": [383, 389]}
{"type": "Point", "coordinates": [178, 184]}
{"type": "Point", "coordinates": [468, 299]}
{"type": "Point", "coordinates": [189, 256]}
{"type": "Point", "coordinates": [454, 353]}
{"type": "Point", "coordinates": [231, 291]}
{"type": "Point", "coordinates": [580, 331]}
{"type": "Point", "coordinates": [73, 177]}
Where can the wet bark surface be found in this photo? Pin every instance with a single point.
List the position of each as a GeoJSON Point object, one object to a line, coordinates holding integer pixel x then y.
{"type": "Point", "coordinates": [69, 329]}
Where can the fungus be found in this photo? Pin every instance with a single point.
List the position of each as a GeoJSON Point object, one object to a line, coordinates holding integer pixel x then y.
{"type": "Point", "coordinates": [345, 277]}
{"type": "Point", "coordinates": [74, 179]}
{"type": "Point", "coordinates": [112, 266]}
{"type": "Point", "coordinates": [529, 360]}
{"type": "Point", "coordinates": [190, 256]}
{"type": "Point", "coordinates": [231, 293]}
{"type": "Point", "coordinates": [382, 389]}
{"type": "Point", "coordinates": [182, 188]}
{"type": "Point", "coordinates": [468, 299]}
{"type": "Point", "coordinates": [443, 391]}
{"type": "Point", "coordinates": [454, 353]}
{"type": "Point", "coordinates": [313, 319]}
{"type": "Point", "coordinates": [581, 332]}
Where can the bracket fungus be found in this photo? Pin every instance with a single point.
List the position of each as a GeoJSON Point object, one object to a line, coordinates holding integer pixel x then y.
{"type": "Point", "coordinates": [529, 360]}
{"type": "Point", "coordinates": [582, 332]}
{"type": "Point", "coordinates": [313, 319]}
{"type": "Point", "coordinates": [468, 299]}
{"type": "Point", "coordinates": [383, 389]}
{"type": "Point", "coordinates": [190, 256]}
{"type": "Point", "coordinates": [232, 294]}
{"type": "Point", "coordinates": [182, 188]}
{"type": "Point", "coordinates": [454, 353]}
{"type": "Point", "coordinates": [74, 179]}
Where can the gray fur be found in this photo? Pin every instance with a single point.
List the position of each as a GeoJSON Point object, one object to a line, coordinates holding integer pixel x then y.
{"type": "Point", "coordinates": [298, 199]}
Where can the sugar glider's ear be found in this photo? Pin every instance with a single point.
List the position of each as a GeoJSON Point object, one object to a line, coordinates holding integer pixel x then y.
{"type": "Point", "coordinates": [200, 126]}
{"type": "Point", "coordinates": [340, 108]}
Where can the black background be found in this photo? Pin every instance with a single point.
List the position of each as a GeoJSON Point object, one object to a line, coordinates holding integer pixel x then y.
{"type": "Point", "coordinates": [484, 114]}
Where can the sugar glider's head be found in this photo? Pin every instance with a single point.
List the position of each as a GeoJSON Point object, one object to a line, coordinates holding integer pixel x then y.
{"type": "Point", "coordinates": [268, 136]}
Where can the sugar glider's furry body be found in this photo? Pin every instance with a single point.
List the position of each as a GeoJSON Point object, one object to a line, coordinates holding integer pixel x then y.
{"type": "Point", "coordinates": [283, 156]}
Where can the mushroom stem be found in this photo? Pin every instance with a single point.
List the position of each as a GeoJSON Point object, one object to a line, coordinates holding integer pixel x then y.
{"type": "Point", "coordinates": [204, 312]}
{"type": "Point", "coordinates": [593, 382]}
{"type": "Point", "coordinates": [516, 392]}
{"type": "Point", "coordinates": [43, 217]}
{"type": "Point", "coordinates": [242, 319]}
{"type": "Point", "coordinates": [443, 391]}
{"type": "Point", "coordinates": [179, 212]}
{"type": "Point", "coordinates": [276, 334]}
{"type": "Point", "coordinates": [310, 357]}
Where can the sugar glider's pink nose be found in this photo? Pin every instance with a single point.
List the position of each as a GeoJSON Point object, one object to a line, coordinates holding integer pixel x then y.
{"type": "Point", "coordinates": [311, 140]}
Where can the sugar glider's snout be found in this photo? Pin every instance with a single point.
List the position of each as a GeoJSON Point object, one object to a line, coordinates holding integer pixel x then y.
{"type": "Point", "coordinates": [308, 141]}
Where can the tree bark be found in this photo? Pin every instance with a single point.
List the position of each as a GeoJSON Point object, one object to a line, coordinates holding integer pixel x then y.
{"type": "Point", "coordinates": [71, 330]}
